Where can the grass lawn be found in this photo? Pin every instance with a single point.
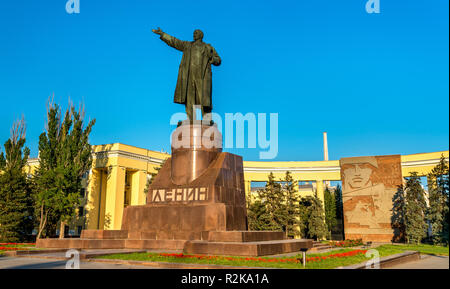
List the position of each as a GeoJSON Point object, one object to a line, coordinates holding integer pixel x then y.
{"type": "Point", "coordinates": [422, 248]}
{"type": "Point", "coordinates": [288, 262]}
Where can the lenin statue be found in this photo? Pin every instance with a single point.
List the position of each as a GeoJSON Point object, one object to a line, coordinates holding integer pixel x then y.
{"type": "Point", "coordinates": [194, 84]}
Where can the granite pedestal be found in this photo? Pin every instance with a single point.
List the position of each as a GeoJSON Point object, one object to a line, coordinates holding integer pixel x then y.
{"type": "Point", "coordinates": [196, 203]}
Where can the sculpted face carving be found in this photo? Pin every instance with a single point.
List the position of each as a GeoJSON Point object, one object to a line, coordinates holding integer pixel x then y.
{"type": "Point", "coordinates": [358, 175]}
{"type": "Point", "coordinates": [368, 186]}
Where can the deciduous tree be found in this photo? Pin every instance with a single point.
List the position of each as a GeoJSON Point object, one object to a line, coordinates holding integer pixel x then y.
{"type": "Point", "coordinates": [64, 157]}
{"type": "Point", "coordinates": [16, 209]}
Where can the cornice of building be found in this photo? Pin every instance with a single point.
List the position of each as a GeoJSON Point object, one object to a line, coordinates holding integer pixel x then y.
{"type": "Point", "coordinates": [125, 154]}
{"type": "Point", "coordinates": [292, 166]}
{"type": "Point", "coordinates": [422, 163]}
{"type": "Point", "coordinates": [291, 169]}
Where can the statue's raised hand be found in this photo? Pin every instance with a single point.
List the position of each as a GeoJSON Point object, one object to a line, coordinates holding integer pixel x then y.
{"type": "Point", "coordinates": [158, 31]}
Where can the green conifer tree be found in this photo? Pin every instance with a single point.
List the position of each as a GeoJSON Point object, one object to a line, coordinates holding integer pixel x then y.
{"type": "Point", "coordinates": [339, 203]}
{"type": "Point", "coordinates": [398, 214]}
{"type": "Point", "coordinates": [339, 209]}
{"type": "Point", "coordinates": [272, 196]}
{"type": "Point", "coordinates": [415, 225]}
{"type": "Point", "coordinates": [291, 203]}
{"type": "Point", "coordinates": [271, 218]}
{"type": "Point", "coordinates": [312, 218]}
{"type": "Point", "coordinates": [257, 216]}
{"type": "Point", "coordinates": [330, 210]}
{"type": "Point", "coordinates": [317, 227]}
{"type": "Point", "coordinates": [305, 212]}
{"type": "Point", "coordinates": [438, 198]}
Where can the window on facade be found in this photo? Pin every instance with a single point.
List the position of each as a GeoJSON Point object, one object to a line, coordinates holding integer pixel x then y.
{"type": "Point", "coordinates": [82, 192]}
{"type": "Point", "coordinates": [255, 186]}
{"type": "Point", "coordinates": [80, 211]}
{"type": "Point", "coordinates": [127, 192]}
{"type": "Point", "coordinates": [306, 185]}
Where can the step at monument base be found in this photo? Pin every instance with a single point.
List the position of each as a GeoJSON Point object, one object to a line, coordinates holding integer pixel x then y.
{"type": "Point", "coordinates": [111, 244]}
{"type": "Point", "coordinates": [213, 236]}
{"type": "Point", "coordinates": [80, 243]}
{"type": "Point", "coordinates": [261, 248]}
{"type": "Point", "coordinates": [169, 245]}
{"type": "Point", "coordinates": [238, 243]}
{"type": "Point", "coordinates": [104, 234]}
{"type": "Point", "coordinates": [244, 236]}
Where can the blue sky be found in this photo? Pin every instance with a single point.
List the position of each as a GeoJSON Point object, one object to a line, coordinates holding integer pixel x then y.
{"type": "Point", "coordinates": [377, 83]}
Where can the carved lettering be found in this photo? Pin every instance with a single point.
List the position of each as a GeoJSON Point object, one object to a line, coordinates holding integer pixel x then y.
{"type": "Point", "coordinates": [180, 195]}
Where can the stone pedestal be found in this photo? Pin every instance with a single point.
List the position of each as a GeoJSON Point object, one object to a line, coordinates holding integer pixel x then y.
{"type": "Point", "coordinates": [198, 189]}
{"type": "Point", "coordinates": [194, 148]}
{"type": "Point", "coordinates": [196, 204]}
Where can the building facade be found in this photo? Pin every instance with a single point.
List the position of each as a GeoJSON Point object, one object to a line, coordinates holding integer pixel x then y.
{"type": "Point", "coordinates": [120, 173]}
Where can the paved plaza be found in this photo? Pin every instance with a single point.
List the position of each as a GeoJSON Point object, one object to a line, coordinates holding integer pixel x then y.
{"type": "Point", "coordinates": [38, 263]}
{"type": "Point", "coordinates": [426, 262]}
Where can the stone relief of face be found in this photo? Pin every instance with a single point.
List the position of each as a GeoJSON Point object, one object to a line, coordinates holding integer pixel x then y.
{"type": "Point", "coordinates": [358, 175]}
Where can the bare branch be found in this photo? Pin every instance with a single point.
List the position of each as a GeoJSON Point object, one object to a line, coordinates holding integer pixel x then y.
{"type": "Point", "coordinates": [18, 130]}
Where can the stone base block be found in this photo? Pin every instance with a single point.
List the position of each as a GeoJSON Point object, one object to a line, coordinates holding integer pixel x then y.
{"type": "Point", "coordinates": [80, 244]}
{"type": "Point", "coordinates": [244, 236]}
{"type": "Point", "coordinates": [192, 218]}
{"type": "Point", "coordinates": [169, 245]}
{"type": "Point", "coordinates": [262, 248]}
{"type": "Point", "coordinates": [111, 244]}
{"type": "Point", "coordinates": [167, 235]}
{"type": "Point", "coordinates": [104, 234]}
{"type": "Point", "coordinates": [228, 247]}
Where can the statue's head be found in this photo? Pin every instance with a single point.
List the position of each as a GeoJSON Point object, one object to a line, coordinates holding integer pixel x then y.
{"type": "Point", "coordinates": [198, 34]}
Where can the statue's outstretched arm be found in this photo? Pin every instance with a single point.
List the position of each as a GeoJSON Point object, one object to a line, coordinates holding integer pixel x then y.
{"type": "Point", "coordinates": [170, 40]}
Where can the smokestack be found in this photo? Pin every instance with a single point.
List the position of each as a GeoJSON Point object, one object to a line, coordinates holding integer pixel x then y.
{"type": "Point", "coordinates": [325, 146]}
{"type": "Point", "coordinates": [325, 153]}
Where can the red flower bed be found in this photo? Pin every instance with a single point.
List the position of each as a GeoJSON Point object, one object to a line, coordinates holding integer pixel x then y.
{"type": "Point", "coordinates": [11, 249]}
{"type": "Point", "coordinates": [13, 246]}
{"type": "Point", "coordinates": [201, 257]}
{"type": "Point", "coordinates": [17, 244]}
{"type": "Point", "coordinates": [266, 260]}
{"type": "Point", "coordinates": [337, 255]}
{"type": "Point", "coordinates": [347, 243]}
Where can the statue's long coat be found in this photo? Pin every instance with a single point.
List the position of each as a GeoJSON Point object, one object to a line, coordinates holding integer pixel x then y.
{"type": "Point", "coordinates": [210, 56]}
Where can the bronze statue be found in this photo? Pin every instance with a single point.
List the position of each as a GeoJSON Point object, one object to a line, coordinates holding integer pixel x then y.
{"type": "Point", "coordinates": [194, 84]}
